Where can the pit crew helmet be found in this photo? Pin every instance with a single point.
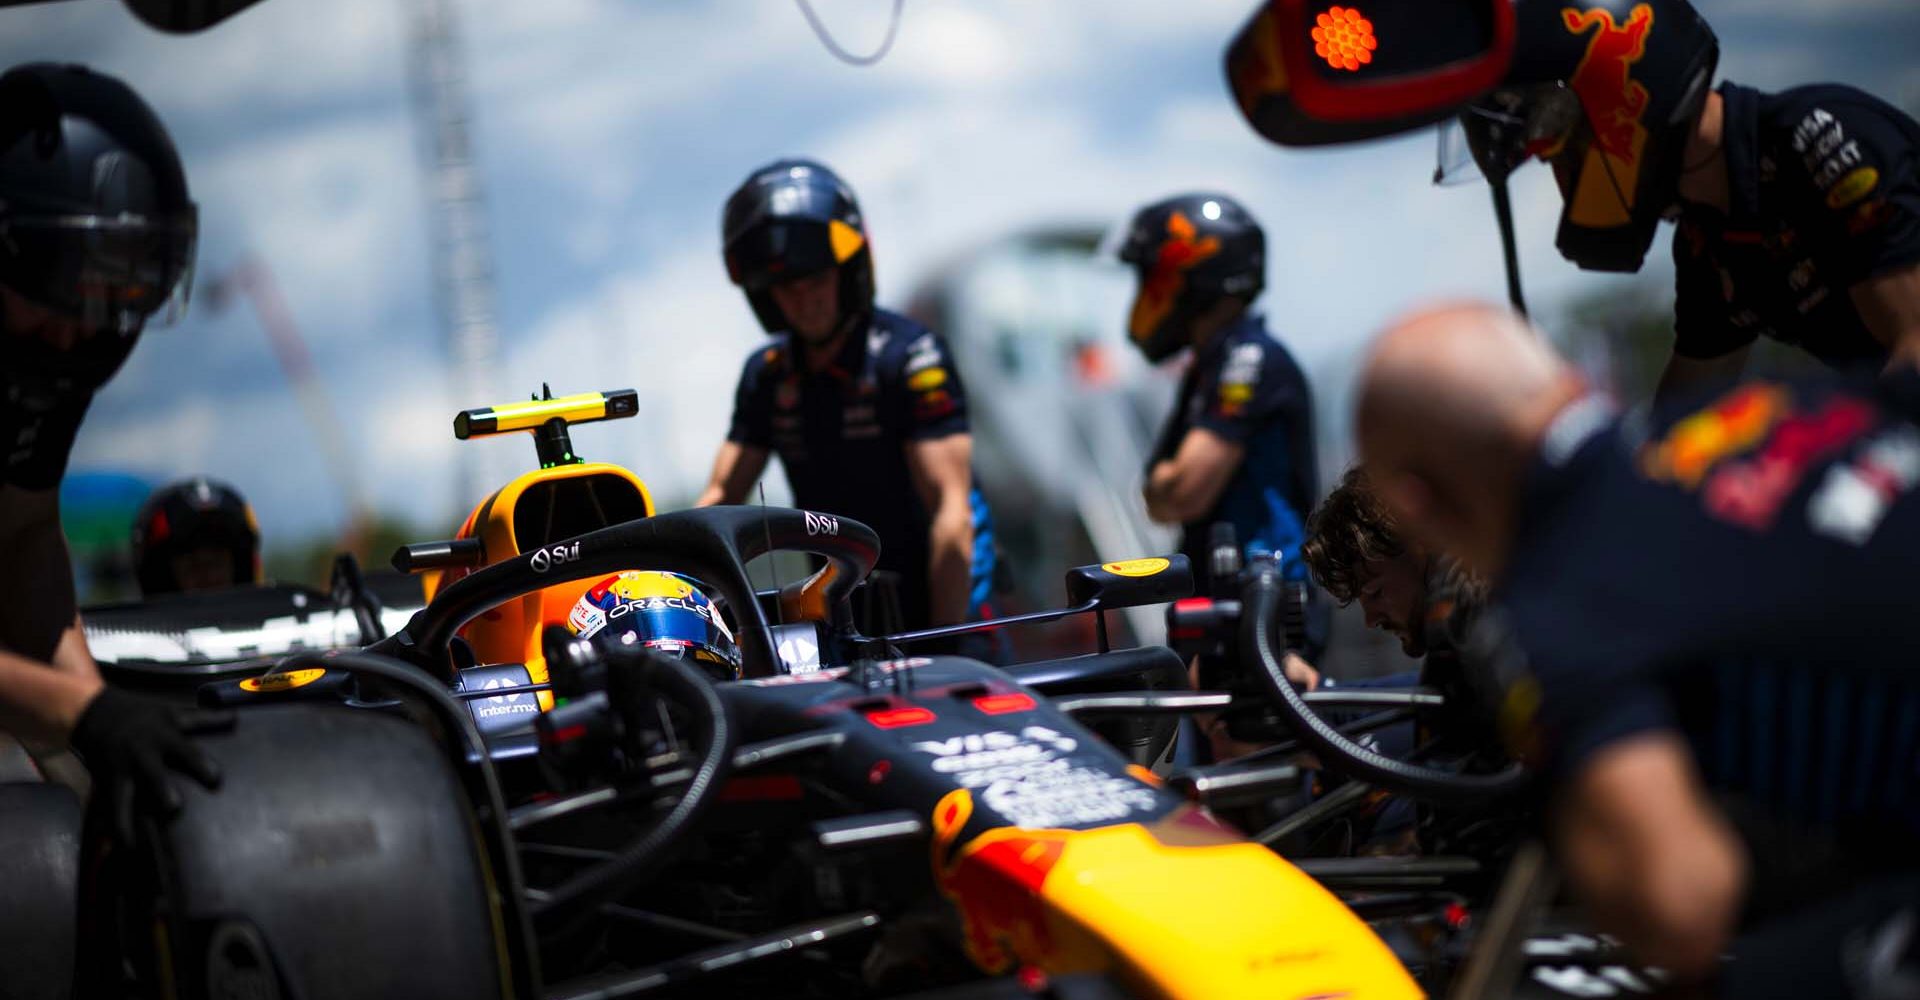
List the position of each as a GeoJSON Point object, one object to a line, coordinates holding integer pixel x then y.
{"type": "Point", "coordinates": [96, 225]}
{"type": "Point", "coordinates": [1188, 251]}
{"type": "Point", "coordinates": [790, 219]}
{"type": "Point", "coordinates": [665, 612]}
{"type": "Point", "coordinates": [187, 516]}
{"type": "Point", "coordinates": [1606, 91]}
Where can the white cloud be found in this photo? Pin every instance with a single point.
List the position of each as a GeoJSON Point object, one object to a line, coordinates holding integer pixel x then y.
{"type": "Point", "coordinates": [988, 116]}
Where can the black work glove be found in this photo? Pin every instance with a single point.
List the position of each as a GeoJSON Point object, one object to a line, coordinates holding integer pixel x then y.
{"type": "Point", "coordinates": [131, 743]}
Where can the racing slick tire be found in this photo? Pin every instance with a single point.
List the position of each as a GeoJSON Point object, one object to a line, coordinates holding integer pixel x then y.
{"type": "Point", "coordinates": [39, 860]}
{"type": "Point", "coordinates": [339, 858]}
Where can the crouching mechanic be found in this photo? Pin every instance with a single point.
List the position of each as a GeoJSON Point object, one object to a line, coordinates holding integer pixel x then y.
{"type": "Point", "coordinates": [864, 406]}
{"type": "Point", "coordinates": [1238, 447]}
{"type": "Point", "coordinates": [96, 240]}
{"type": "Point", "coordinates": [196, 534]}
{"type": "Point", "coordinates": [1424, 598]}
{"type": "Point", "coordinates": [1728, 732]}
{"type": "Point", "coordinates": [1799, 211]}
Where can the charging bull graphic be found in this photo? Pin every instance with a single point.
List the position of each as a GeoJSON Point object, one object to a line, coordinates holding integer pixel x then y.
{"type": "Point", "coordinates": [1161, 289]}
{"type": "Point", "coordinates": [995, 882]}
{"type": "Point", "coordinates": [1615, 105]}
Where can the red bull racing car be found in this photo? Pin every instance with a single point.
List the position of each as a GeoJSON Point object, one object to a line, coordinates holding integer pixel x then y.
{"type": "Point", "coordinates": [481, 804]}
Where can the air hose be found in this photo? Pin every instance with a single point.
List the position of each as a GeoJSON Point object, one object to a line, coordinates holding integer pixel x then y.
{"type": "Point", "coordinates": [1340, 754]}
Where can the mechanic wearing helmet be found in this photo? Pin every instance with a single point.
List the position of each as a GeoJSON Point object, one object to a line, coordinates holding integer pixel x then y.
{"type": "Point", "coordinates": [1799, 212]}
{"type": "Point", "coordinates": [96, 240]}
{"type": "Point", "coordinates": [1238, 446]}
{"type": "Point", "coordinates": [1729, 737]}
{"type": "Point", "coordinates": [664, 612]}
{"type": "Point", "coordinates": [196, 534]}
{"type": "Point", "coordinates": [863, 405]}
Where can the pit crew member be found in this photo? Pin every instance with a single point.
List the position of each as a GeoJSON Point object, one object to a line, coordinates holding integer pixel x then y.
{"type": "Point", "coordinates": [196, 534]}
{"type": "Point", "coordinates": [96, 241]}
{"type": "Point", "coordinates": [1238, 447]}
{"type": "Point", "coordinates": [1703, 694]}
{"type": "Point", "coordinates": [864, 406]}
{"type": "Point", "coordinates": [1799, 211]}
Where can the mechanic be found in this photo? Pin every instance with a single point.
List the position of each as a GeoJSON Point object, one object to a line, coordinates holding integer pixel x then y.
{"type": "Point", "coordinates": [1702, 660]}
{"type": "Point", "coordinates": [864, 406]}
{"type": "Point", "coordinates": [98, 241]}
{"type": "Point", "coordinates": [1238, 447]}
{"type": "Point", "coordinates": [1799, 212]}
{"type": "Point", "coordinates": [196, 534]}
{"type": "Point", "coordinates": [1357, 553]}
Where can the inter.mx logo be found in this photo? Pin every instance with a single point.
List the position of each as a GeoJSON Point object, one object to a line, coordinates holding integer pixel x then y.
{"type": "Point", "coordinates": [821, 524]}
{"type": "Point", "coordinates": [554, 555]}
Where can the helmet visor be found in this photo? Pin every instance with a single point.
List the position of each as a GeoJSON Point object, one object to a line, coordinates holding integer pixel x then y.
{"type": "Point", "coordinates": [1506, 129]}
{"type": "Point", "coordinates": [114, 273]}
{"type": "Point", "coordinates": [780, 250]}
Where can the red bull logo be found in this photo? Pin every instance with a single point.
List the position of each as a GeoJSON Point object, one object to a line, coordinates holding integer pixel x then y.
{"type": "Point", "coordinates": [1734, 424]}
{"type": "Point", "coordinates": [1615, 104]}
{"type": "Point", "coordinates": [1163, 282]}
{"type": "Point", "coordinates": [1751, 492]}
{"type": "Point", "coordinates": [995, 883]}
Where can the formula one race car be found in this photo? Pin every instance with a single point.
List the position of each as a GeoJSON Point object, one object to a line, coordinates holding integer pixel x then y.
{"type": "Point", "coordinates": [412, 818]}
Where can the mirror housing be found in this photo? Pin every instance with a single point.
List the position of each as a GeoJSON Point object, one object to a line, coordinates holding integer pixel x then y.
{"type": "Point", "coordinates": [184, 16]}
{"type": "Point", "coordinates": [1315, 72]}
{"type": "Point", "coordinates": [1131, 583]}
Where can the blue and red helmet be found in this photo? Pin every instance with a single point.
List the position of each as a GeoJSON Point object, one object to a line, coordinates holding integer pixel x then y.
{"type": "Point", "coordinates": [664, 612]}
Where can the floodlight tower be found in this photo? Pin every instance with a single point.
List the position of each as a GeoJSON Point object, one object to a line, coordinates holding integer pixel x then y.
{"type": "Point", "coordinates": [462, 256]}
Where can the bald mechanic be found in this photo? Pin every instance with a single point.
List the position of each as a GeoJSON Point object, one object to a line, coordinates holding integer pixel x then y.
{"type": "Point", "coordinates": [1713, 712]}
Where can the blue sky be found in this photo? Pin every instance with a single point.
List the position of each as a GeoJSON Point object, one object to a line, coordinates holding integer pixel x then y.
{"type": "Point", "coordinates": [609, 132]}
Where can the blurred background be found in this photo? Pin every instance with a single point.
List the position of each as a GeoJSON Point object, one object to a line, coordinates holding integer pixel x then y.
{"type": "Point", "coordinates": [409, 207]}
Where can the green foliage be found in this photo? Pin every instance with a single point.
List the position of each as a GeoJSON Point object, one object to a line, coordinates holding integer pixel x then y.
{"type": "Point", "coordinates": [309, 560]}
{"type": "Point", "coordinates": [1622, 337]}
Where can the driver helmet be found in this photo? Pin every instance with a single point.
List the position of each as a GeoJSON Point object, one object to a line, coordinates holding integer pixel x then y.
{"type": "Point", "coordinates": [790, 219]}
{"type": "Point", "coordinates": [97, 231]}
{"type": "Point", "coordinates": [1606, 91]}
{"type": "Point", "coordinates": [1188, 252]}
{"type": "Point", "coordinates": [196, 534]}
{"type": "Point", "coordinates": [665, 612]}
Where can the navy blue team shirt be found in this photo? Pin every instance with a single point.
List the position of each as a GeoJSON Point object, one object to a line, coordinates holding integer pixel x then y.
{"type": "Point", "coordinates": [1245, 387]}
{"type": "Point", "coordinates": [1824, 193]}
{"type": "Point", "coordinates": [841, 434]}
{"type": "Point", "coordinates": [1741, 574]}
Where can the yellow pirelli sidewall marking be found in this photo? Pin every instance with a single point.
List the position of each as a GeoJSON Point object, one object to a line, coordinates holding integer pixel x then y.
{"type": "Point", "coordinates": [269, 683]}
{"type": "Point", "coordinates": [1221, 922]}
{"type": "Point", "coordinates": [1136, 567]}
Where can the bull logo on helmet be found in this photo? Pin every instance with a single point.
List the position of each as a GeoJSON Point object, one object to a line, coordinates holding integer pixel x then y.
{"type": "Point", "coordinates": [1615, 104]}
{"type": "Point", "coordinates": [1160, 289]}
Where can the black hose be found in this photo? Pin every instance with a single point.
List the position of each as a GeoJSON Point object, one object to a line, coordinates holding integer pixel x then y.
{"type": "Point", "coordinates": [583, 894]}
{"type": "Point", "coordinates": [1509, 250]}
{"type": "Point", "coordinates": [1337, 752]}
{"type": "Point", "coordinates": [503, 855]}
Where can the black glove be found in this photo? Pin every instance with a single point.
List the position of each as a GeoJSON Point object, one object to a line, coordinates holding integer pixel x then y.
{"type": "Point", "coordinates": [130, 743]}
